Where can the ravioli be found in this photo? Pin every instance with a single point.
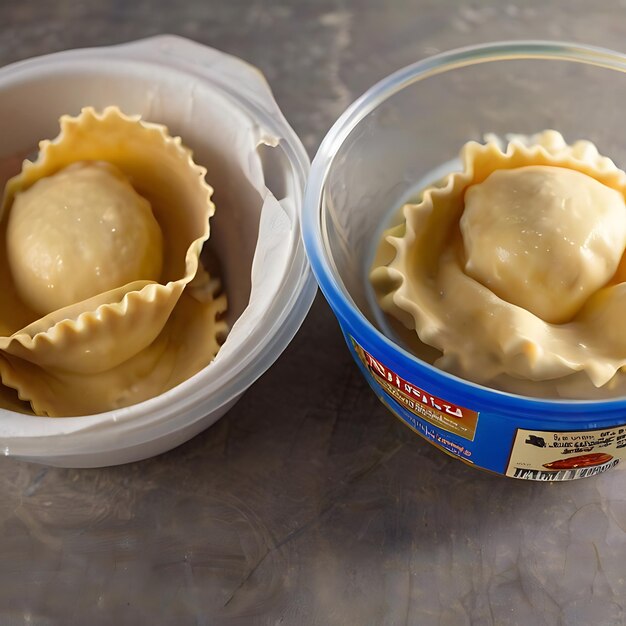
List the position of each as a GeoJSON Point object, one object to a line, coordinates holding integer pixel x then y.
{"type": "Point", "coordinates": [78, 233]}
{"type": "Point", "coordinates": [544, 238]}
{"type": "Point", "coordinates": [512, 268]}
{"type": "Point", "coordinates": [100, 240]}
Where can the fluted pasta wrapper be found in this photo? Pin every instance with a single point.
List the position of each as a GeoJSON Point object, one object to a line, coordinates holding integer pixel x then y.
{"type": "Point", "coordinates": [419, 280]}
{"type": "Point", "coordinates": [70, 361]}
{"type": "Point", "coordinates": [187, 343]}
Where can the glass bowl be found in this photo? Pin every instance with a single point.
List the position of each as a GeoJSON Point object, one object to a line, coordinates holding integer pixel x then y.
{"type": "Point", "coordinates": [409, 128]}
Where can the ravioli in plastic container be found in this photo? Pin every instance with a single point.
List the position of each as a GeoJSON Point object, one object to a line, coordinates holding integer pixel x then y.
{"type": "Point", "coordinates": [466, 220]}
{"type": "Point", "coordinates": [151, 257]}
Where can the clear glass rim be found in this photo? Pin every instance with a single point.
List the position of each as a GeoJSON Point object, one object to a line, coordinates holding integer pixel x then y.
{"type": "Point", "coordinates": [313, 235]}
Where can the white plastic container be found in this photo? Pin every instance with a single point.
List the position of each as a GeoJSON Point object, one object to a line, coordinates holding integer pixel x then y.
{"type": "Point", "coordinates": [224, 111]}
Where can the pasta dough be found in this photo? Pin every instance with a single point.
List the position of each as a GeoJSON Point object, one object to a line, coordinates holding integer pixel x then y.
{"type": "Point", "coordinates": [544, 238]}
{"type": "Point", "coordinates": [513, 268]}
{"type": "Point", "coordinates": [128, 312]}
{"type": "Point", "coordinates": [80, 232]}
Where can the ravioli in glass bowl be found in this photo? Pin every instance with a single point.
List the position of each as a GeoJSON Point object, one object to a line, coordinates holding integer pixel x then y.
{"type": "Point", "coordinates": [513, 268]}
{"type": "Point", "coordinates": [105, 300]}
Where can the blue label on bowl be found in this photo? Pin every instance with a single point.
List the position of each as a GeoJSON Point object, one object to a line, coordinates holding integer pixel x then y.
{"type": "Point", "coordinates": [521, 453]}
{"type": "Point", "coordinates": [436, 419]}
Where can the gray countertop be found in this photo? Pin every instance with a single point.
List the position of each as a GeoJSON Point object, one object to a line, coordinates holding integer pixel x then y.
{"type": "Point", "coordinates": [318, 507]}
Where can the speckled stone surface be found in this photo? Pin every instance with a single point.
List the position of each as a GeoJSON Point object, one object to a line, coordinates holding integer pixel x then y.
{"type": "Point", "coordinates": [317, 508]}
